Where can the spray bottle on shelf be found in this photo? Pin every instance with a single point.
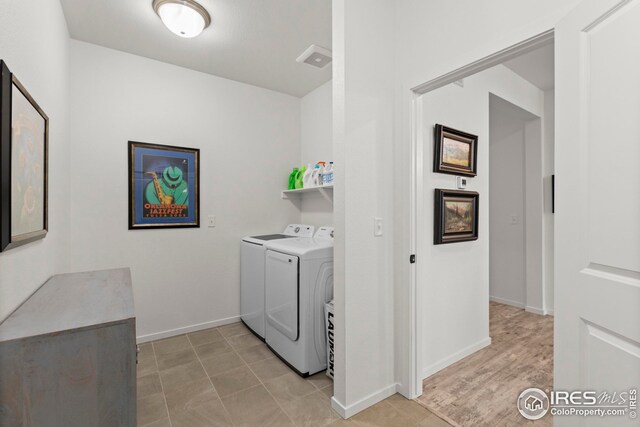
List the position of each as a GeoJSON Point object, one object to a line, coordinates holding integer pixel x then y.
{"type": "Point", "coordinates": [327, 176]}
{"type": "Point", "coordinates": [321, 173]}
{"type": "Point", "coordinates": [299, 175]}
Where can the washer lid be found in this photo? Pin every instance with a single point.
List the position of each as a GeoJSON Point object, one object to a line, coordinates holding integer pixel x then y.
{"type": "Point", "coordinates": [292, 230]}
{"type": "Point", "coordinates": [267, 237]}
{"type": "Point", "coordinates": [303, 247]}
{"type": "Point", "coordinates": [261, 240]}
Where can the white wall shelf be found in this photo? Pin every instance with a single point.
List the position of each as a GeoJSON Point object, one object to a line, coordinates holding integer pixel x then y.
{"type": "Point", "coordinates": [326, 191]}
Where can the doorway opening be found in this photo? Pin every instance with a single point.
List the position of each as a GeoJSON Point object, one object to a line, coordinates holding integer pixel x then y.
{"type": "Point", "coordinates": [483, 330]}
{"type": "Point", "coordinates": [517, 243]}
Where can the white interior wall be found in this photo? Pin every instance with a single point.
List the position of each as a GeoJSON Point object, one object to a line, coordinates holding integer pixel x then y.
{"type": "Point", "coordinates": [506, 210]}
{"type": "Point", "coordinates": [363, 67]}
{"type": "Point", "coordinates": [427, 46]}
{"type": "Point", "coordinates": [534, 233]}
{"type": "Point", "coordinates": [456, 287]}
{"type": "Point", "coordinates": [455, 277]}
{"type": "Point", "coordinates": [515, 211]}
{"type": "Point", "coordinates": [548, 171]}
{"type": "Point", "coordinates": [34, 44]}
{"type": "Point", "coordinates": [316, 125]}
{"type": "Point", "coordinates": [316, 138]}
{"type": "Point", "coordinates": [184, 279]}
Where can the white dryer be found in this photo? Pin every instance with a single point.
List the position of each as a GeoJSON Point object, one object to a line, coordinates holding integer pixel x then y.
{"type": "Point", "coordinates": [252, 254]}
{"type": "Point", "coordinates": [299, 281]}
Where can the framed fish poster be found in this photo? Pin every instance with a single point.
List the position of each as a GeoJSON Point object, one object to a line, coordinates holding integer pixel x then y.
{"type": "Point", "coordinates": [164, 186]}
{"type": "Point", "coordinates": [24, 138]}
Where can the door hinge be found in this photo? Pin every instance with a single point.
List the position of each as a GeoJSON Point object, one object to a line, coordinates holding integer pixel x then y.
{"type": "Point", "coordinates": [412, 259]}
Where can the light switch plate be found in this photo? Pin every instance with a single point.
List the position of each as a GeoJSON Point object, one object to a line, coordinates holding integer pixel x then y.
{"type": "Point", "coordinates": [212, 221]}
{"type": "Point", "coordinates": [377, 226]}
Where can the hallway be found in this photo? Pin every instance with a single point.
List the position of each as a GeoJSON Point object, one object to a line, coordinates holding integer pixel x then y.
{"type": "Point", "coordinates": [482, 389]}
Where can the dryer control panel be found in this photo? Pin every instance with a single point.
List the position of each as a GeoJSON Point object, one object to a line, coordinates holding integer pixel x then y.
{"type": "Point", "coordinates": [299, 230]}
{"type": "Point", "coordinates": [325, 233]}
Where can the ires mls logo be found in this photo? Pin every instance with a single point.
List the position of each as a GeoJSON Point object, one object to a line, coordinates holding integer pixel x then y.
{"type": "Point", "coordinates": [573, 398]}
{"type": "Point", "coordinates": [534, 403]}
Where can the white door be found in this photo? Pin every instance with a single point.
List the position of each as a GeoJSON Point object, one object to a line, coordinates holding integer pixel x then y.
{"type": "Point", "coordinates": [597, 322]}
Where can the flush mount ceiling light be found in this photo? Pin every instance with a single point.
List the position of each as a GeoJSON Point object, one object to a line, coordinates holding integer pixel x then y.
{"type": "Point", "coordinates": [185, 18]}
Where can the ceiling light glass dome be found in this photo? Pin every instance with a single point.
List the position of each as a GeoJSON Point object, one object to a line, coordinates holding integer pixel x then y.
{"type": "Point", "coordinates": [185, 18]}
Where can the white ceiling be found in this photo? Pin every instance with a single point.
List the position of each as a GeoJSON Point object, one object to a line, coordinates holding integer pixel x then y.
{"type": "Point", "coordinates": [535, 66]}
{"type": "Point", "coordinates": [251, 41]}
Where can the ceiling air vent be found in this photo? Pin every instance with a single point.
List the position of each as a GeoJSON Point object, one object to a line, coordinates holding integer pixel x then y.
{"type": "Point", "coordinates": [315, 55]}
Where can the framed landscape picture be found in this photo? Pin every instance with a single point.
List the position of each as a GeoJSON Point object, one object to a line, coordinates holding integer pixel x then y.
{"type": "Point", "coordinates": [24, 134]}
{"type": "Point", "coordinates": [164, 186]}
{"type": "Point", "coordinates": [456, 216]}
{"type": "Point", "coordinates": [455, 152]}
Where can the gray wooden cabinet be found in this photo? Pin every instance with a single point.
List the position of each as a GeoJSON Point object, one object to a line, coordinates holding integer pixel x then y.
{"type": "Point", "coordinates": [68, 354]}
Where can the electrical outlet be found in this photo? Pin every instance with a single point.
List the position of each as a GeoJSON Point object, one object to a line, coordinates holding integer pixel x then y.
{"type": "Point", "coordinates": [212, 221]}
{"type": "Point", "coordinates": [377, 227]}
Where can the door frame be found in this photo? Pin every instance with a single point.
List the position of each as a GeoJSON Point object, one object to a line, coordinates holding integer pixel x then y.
{"type": "Point", "coordinates": [417, 193]}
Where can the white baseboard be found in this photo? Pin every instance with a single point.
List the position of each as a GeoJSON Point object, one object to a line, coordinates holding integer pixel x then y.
{"type": "Point", "coordinates": [534, 310]}
{"type": "Point", "coordinates": [450, 360]}
{"type": "Point", "coordinates": [362, 404]}
{"type": "Point", "coordinates": [528, 308]}
{"type": "Point", "coordinates": [184, 330]}
{"type": "Point", "coordinates": [549, 312]}
{"type": "Point", "coordinates": [506, 301]}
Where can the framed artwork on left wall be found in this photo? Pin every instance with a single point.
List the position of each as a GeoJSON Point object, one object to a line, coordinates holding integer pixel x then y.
{"type": "Point", "coordinates": [24, 138]}
{"type": "Point", "coordinates": [164, 186]}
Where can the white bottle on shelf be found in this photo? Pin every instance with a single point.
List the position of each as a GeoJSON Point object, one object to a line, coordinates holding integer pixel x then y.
{"type": "Point", "coordinates": [327, 175]}
{"type": "Point", "coordinates": [307, 182]}
{"type": "Point", "coordinates": [316, 176]}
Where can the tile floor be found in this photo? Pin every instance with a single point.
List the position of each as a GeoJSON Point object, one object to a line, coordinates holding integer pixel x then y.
{"type": "Point", "coordinates": [227, 377]}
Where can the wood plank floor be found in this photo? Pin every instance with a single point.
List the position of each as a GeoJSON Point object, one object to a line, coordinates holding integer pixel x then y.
{"type": "Point", "coordinates": [482, 389]}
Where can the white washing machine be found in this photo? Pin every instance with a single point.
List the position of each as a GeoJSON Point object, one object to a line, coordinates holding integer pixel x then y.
{"type": "Point", "coordinates": [252, 274]}
{"type": "Point", "coordinates": [299, 281]}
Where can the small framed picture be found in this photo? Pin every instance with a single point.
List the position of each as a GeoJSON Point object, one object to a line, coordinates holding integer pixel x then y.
{"type": "Point", "coordinates": [456, 216]}
{"type": "Point", "coordinates": [24, 138]}
{"type": "Point", "coordinates": [164, 186]}
{"type": "Point", "coordinates": [455, 152]}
